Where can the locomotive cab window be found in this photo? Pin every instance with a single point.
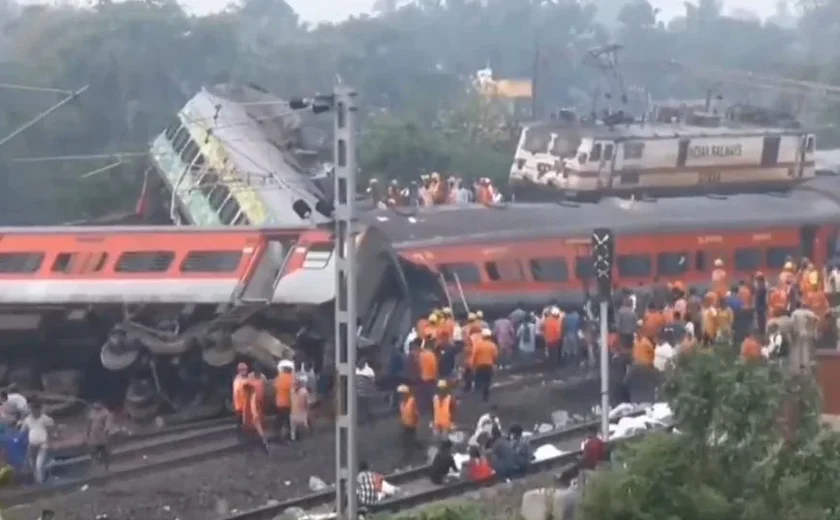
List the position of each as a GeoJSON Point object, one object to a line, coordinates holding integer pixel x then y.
{"type": "Point", "coordinates": [317, 256]}
{"type": "Point", "coordinates": [595, 154]}
{"type": "Point", "coordinates": [638, 266]}
{"type": "Point", "coordinates": [211, 261]}
{"type": "Point", "coordinates": [549, 270]}
{"type": "Point", "coordinates": [672, 264]}
{"type": "Point", "coordinates": [504, 271]}
{"type": "Point", "coordinates": [809, 144]}
{"type": "Point", "coordinates": [460, 273]}
{"type": "Point", "coordinates": [748, 259]}
{"type": "Point", "coordinates": [20, 262]}
{"type": "Point", "coordinates": [608, 152]}
{"type": "Point", "coordinates": [778, 256]}
{"type": "Point", "coordinates": [144, 262]}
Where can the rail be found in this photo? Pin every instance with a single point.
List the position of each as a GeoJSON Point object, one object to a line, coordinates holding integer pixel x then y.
{"type": "Point", "coordinates": [184, 450]}
{"type": "Point", "coordinates": [324, 498]}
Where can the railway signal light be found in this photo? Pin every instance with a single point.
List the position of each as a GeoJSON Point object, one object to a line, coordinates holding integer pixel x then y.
{"type": "Point", "coordinates": [603, 248]}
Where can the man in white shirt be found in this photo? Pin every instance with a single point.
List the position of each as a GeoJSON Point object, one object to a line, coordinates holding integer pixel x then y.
{"type": "Point", "coordinates": [39, 426]}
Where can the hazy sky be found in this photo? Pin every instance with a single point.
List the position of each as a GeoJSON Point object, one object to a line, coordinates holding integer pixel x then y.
{"type": "Point", "coordinates": [337, 10]}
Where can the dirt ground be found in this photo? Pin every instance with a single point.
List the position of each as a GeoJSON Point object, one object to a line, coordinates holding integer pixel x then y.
{"type": "Point", "coordinates": [250, 478]}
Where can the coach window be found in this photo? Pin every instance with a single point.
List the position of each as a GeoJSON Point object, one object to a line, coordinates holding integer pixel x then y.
{"type": "Point", "coordinates": [700, 261]}
{"type": "Point", "coordinates": [172, 129]}
{"type": "Point", "coordinates": [672, 264]}
{"type": "Point", "coordinates": [144, 262]}
{"type": "Point", "coordinates": [777, 257]}
{"type": "Point", "coordinates": [20, 262]}
{"type": "Point", "coordinates": [229, 211]}
{"type": "Point", "coordinates": [584, 269]}
{"type": "Point", "coordinates": [218, 196]}
{"type": "Point", "coordinates": [634, 150]}
{"type": "Point", "coordinates": [181, 139]}
{"type": "Point", "coordinates": [189, 152]}
{"type": "Point", "coordinates": [208, 181]}
{"type": "Point", "coordinates": [241, 219]}
{"type": "Point", "coordinates": [549, 270]}
{"type": "Point", "coordinates": [747, 259]}
{"type": "Point", "coordinates": [317, 256]}
{"type": "Point", "coordinates": [634, 266]}
{"type": "Point", "coordinates": [211, 261]}
{"type": "Point", "coordinates": [595, 154]}
{"type": "Point", "coordinates": [504, 271]}
{"type": "Point", "coordinates": [460, 273]}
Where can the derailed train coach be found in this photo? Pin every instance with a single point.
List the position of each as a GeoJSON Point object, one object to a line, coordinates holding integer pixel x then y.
{"type": "Point", "coordinates": [166, 311]}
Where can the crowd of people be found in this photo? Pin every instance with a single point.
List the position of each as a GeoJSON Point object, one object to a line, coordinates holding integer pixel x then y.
{"type": "Point", "coordinates": [28, 433]}
{"type": "Point", "coordinates": [433, 190]}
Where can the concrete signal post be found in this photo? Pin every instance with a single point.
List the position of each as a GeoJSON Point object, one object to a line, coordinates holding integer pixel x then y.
{"type": "Point", "coordinates": [346, 439]}
{"type": "Point", "coordinates": [603, 248]}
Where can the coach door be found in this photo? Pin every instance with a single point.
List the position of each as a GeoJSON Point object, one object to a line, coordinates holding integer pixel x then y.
{"type": "Point", "coordinates": [260, 287]}
{"type": "Point", "coordinates": [807, 241]}
{"type": "Point", "coordinates": [770, 151]}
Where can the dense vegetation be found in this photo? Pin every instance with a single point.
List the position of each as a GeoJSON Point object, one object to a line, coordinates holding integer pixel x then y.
{"type": "Point", "coordinates": [411, 62]}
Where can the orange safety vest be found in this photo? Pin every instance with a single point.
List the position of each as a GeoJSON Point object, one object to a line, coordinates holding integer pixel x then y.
{"type": "Point", "coordinates": [283, 384]}
{"type": "Point", "coordinates": [408, 413]}
{"type": "Point", "coordinates": [428, 366]}
{"type": "Point", "coordinates": [484, 353]}
{"type": "Point", "coordinates": [240, 400]}
{"type": "Point", "coordinates": [750, 349]}
{"type": "Point", "coordinates": [443, 412]}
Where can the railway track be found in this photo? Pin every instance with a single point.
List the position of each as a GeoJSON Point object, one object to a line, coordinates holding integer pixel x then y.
{"type": "Point", "coordinates": [415, 488]}
{"type": "Point", "coordinates": [414, 484]}
{"type": "Point", "coordinates": [183, 446]}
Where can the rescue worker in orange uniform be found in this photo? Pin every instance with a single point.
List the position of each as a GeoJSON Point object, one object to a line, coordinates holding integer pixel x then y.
{"type": "Point", "coordinates": [708, 319]}
{"type": "Point", "coordinates": [652, 323]}
{"type": "Point", "coordinates": [283, 386]}
{"type": "Point", "coordinates": [410, 420]}
{"type": "Point", "coordinates": [430, 332]}
{"type": "Point", "coordinates": [444, 411]}
{"type": "Point", "coordinates": [437, 186]}
{"type": "Point", "coordinates": [472, 335]}
{"type": "Point", "coordinates": [253, 418]}
{"type": "Point", "coordinates": [240, 399]}
{"type": "Point", "coordinates": [788, 275]}
{"type": "Point", "coordinates": [444, 335]}
{"type": "Point", "coordinates": [751, 348]}
{"type": "Point", "coordinates": [553, 335]}
{"type": "Point", "coordinates": [643, 351]}
{"type": "Point", "coordinates": [428, 362]}
{"type": "Point", "coordinates": [719, 281]}
{"type": "Point", "coordinates": [814, 298]}
{"type": "Point", "coordinates": [484, 193]}
{"type": "Point", "coordinates": [779, 300]}
{"type": "Point", "coordinates": [485, 354]}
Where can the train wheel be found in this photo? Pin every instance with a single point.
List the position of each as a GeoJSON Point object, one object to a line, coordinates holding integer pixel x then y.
{"type": "Point", "coordinates": [141, 400]}
{"type": "Point", "coordinates": [118, 353]}
{"type": "Point", "coordinates": [217, 350]}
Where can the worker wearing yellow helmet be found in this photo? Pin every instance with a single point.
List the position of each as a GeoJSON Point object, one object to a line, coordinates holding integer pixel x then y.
{"type": "Point", "coordinates": [720, 284]}
{"type": "Point", "coordinates": [444, 410]}
{"type": "Point", "coordinates": [788, 275]}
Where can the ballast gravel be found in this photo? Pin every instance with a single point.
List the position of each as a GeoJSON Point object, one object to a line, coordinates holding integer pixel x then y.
{"type": "Point", "coordinates": [244, 480]}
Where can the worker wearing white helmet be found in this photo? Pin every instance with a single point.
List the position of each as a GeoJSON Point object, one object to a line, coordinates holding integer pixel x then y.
{"type": "Point", "coordinates": [284, 385]}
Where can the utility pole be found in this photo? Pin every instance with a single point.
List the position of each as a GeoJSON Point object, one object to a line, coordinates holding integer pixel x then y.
{"type": "Point", "coordinates": [535, 80]}
{"type": "Point", "coordinates": [345, 302]}
{"type": "Point", "coordinates": [603, 246]}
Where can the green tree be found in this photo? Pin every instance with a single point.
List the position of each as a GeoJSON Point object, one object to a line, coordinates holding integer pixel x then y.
{"type": "Point", "coordinates": [731, 458]}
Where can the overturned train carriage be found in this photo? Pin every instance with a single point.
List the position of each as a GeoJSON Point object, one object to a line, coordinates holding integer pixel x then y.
{"type": "Point", "coordinates": [168, 310]}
